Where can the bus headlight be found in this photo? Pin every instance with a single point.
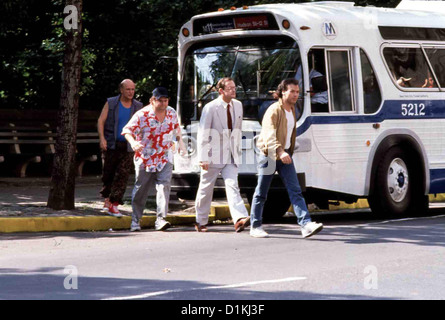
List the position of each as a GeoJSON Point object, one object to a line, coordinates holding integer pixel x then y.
{"type": "Point", "coordinates": [191, 145]}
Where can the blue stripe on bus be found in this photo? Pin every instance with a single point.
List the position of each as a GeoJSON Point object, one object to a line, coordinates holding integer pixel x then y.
{"type": "Point", "coordinates": [392, 109]}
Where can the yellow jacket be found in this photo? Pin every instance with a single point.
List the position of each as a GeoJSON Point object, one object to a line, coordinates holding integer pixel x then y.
{"type": "Point", "coordinates": [274, 131]}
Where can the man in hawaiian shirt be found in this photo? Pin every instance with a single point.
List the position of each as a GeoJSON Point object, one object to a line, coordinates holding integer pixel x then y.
{"type": "Point", "coordinates": [150, 133]}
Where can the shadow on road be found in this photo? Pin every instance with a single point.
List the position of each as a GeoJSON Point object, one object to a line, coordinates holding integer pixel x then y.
{"type": "Point", "coordinates": [361, 227]}
{"type": "Point", "coordinates": [48, 284]}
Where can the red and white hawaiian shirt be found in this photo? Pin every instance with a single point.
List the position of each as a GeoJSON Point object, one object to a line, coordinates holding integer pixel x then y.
{"type": "Point", "coordinates": [155, 136]}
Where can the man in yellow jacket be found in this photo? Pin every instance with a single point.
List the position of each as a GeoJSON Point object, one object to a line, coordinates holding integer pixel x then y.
{"type": "Point", "coordinates": [277, 143]}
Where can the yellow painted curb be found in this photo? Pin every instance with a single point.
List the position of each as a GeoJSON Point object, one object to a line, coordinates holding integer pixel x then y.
{"type": "Point", "coordinates": [85, 223]}
{"type": "Point", "coordinates": [50, 224]}
{"type": "Point", "coordinates": [222, 212]}
{"type": "Point", "coordinates": [98, 223]}
{"type": "Point", "coordinates": [437, 198]}
{"type": "Point", "coordinates": [360, 204]}
{"type": "Point", "coordinates": [363, 203]}
{"type": "Point", "coordinates": [104, 223]}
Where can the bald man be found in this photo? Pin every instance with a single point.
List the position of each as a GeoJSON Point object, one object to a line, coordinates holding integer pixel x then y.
{"type": "Point", "coordinates": [116, 152]}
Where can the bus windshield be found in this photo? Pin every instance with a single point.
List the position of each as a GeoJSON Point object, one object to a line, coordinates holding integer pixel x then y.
{"type": "Point", "coordinates": [256, 64]}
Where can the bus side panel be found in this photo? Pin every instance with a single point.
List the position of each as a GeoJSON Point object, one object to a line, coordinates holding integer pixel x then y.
{"type": "Point", "coordinates": [337, 159]}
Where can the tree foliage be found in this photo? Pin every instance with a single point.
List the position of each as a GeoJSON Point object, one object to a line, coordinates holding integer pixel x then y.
{"type": "Point", "coordinates": [122, 39]}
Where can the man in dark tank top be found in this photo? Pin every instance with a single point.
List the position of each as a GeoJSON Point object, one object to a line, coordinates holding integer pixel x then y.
{"type": "Point", "coordinates": [117, 154]}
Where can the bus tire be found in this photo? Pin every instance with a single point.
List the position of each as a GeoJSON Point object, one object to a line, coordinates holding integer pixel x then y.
{"type": "Point", "coordinates": [398, 188]}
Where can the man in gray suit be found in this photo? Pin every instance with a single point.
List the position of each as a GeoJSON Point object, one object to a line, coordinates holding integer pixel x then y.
{"type": "Point", "coordinates": [219, 151]}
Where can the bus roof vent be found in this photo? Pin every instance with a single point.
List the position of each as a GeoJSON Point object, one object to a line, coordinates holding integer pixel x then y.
{"type": "Point", "coordinates": [336, 4]}
{"type": "Point", "coordinates": [424, 5]}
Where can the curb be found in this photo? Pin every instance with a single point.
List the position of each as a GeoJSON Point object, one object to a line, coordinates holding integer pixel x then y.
{"type": "Point", "coordinates": [363, 203]}
{"type": "Point", "coordinates": [105, 223]}
{"type": "Point", "coordinates": [99, 223]}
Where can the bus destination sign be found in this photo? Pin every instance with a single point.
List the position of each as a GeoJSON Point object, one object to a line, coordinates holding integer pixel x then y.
{"type": "Point", "coordinates": [234, 22]}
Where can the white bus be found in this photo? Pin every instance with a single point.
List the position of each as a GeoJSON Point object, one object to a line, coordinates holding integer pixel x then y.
{"type": "Point", "coordinates": [372, 104]}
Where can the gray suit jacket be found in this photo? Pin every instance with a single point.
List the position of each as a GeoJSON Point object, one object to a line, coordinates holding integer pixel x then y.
{"type": "Point", "coordinates": [216, 143]}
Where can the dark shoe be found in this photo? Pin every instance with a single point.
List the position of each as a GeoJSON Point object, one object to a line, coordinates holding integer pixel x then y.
{"type": "Point", "coordinates": [200, 228]}
{"type": "Point", "coordinates": [242, 224]}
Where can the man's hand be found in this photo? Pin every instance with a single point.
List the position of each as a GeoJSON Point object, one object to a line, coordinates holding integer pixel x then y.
{"type": "Point", "coordinates": [182, 149]}
{"type": "Point", "coordinates": [137, 146]}
{"type": "Point", "coordinates": [285, 158]}
{"type": "Point", "coordinates": [204, 165]}
{"type": "Point", "coordinates": [103, 144]}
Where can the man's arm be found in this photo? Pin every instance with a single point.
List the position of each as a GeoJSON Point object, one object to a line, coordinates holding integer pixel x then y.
{"type": "Point", "coordinates": [204, 136]}
{"type": "Point", "coordinates": [270, 125]}
{"type": "Point", "coordinates": [181, 146]}
{"type": "Point", "coordinates": [101, 127]}
{"type": "Point", "coordinates": [135, 145]}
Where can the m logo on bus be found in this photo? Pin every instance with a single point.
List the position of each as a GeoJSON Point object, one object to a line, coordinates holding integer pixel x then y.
{"type": "Point", "coordinates": [329, 30]}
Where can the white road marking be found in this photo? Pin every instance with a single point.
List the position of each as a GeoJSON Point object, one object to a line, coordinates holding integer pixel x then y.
{"type": "Point", "coordinates": [382, 222]}
{"type": "Point", "coordinates": [406, 219]}
{"type": "Point", "coordinates": [230, 286]}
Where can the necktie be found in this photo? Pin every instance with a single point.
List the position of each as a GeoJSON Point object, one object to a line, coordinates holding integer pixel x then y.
{"type": "Point", "coordinates": [229, 118]}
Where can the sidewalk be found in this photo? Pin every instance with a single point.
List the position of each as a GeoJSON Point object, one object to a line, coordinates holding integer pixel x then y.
{"type": "Point", "coordinates": [23, 208]}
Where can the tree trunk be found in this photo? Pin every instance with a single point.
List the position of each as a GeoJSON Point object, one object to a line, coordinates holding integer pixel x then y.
{"type": "Point", "coordinates": [61, 194]}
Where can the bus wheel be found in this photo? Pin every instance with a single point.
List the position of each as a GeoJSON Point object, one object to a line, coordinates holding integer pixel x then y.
{"type": "Point", "coordinates": [398, 186]}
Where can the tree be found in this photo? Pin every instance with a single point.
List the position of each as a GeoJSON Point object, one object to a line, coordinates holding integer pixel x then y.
{"type": "Point", "coordinates": [61, 195]}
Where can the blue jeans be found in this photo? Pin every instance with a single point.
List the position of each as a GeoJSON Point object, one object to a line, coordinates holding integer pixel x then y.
{"type": "Point", "coordinates": [142, 187]}
{"type": "Point", "coordinates": [289, 177]}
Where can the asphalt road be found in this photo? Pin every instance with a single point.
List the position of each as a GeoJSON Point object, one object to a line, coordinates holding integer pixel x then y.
{"type": "Point", "coordinates": [355, 257]}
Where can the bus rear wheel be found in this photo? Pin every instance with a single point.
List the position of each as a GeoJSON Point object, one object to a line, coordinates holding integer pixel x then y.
{"type": "Point", "coordinates": [398, 184]}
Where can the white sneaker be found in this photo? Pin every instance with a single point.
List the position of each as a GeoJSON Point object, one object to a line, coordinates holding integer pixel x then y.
{"type": "Point", "coordinates": [161, 224]}
{"type": "Point", "coordinates": [135, 227]}
{"type": "Point", "coordinates": [258, 232]}
{"type": "Point", "coordinates": [310, 229]}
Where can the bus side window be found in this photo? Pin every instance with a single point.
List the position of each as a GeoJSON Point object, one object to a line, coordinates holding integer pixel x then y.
{"type": "Point", "coordinates": [437, 59]}
{"type": "Point", "coordinates": [317, 78]}
{"type": "Point", "coordinates": [409, 67]}
{"type": "Point", "coordinates": [340, 82]}
{"type": "Point", "coordinates": [372, 96]}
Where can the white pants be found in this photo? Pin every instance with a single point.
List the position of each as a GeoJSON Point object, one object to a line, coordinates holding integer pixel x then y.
{"type": "Point", "coordinates": [204, 195]}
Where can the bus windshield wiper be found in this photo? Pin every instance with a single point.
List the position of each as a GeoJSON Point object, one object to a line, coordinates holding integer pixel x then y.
{"type": "Point", "coordinates": [242, 82]}
{"type": "Point", "coordinates": [205, 94]}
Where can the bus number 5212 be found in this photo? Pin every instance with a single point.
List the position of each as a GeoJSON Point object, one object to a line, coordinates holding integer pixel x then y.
{"type": "Point", "coordinates": [413, 109]}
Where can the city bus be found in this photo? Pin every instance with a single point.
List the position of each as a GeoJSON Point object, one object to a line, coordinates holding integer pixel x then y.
{"type": "Point", "coordinates": [371, 111]}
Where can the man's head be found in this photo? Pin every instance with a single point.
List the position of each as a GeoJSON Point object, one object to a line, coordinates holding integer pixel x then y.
{"type": "Point", "coordinates": [227, 89]}
{"type": "Point", "coordinates": [127, 88]}
{"type": "Point", "coordinates": [288, 90]}
{"type": "Point", "coordinates": [160, 98]}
